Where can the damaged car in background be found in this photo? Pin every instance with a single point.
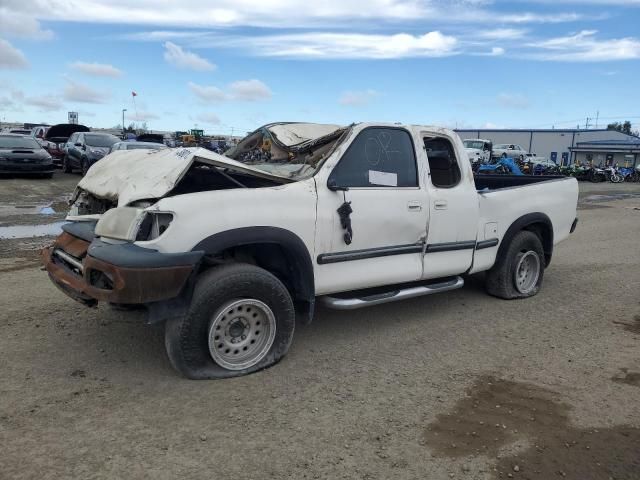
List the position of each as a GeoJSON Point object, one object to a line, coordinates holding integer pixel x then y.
{"type": "Point", "coordinates": [230, 251]}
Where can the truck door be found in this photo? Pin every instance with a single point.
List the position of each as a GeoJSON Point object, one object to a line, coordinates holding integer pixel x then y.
{"type": "Point", "coordinates": [388, 219]}
{"type": "Point", "coordinates": [452, 231]}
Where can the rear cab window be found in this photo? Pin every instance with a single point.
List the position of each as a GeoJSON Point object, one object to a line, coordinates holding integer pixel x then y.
{"type": "Point", "coordinates": [444, 170]}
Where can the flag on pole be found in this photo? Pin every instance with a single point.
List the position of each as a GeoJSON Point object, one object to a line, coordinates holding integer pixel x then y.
{"type": "Point", "coordinates": [134, 94]}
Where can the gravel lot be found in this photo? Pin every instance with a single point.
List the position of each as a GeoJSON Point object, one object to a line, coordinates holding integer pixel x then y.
{"type": "Point", "coordinates": [458, 385]}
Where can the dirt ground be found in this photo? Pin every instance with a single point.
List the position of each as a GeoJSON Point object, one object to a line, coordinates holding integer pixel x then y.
{"type": "Point", "coordinates": [459, 385]}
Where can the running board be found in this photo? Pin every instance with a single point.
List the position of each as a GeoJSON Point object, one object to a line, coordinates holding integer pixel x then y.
{"type": "Point", "coordinates": [339, 303]}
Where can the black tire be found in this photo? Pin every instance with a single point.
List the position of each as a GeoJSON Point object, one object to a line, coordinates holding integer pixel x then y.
{"type": "Point", "coordinates": [500, 280]}
{"type": "Point", "coordinates": [84, 166]}
{"type": "Point", "coordinates": [66, 166]}
{"type": "Point", "coordinates": [187, 338]}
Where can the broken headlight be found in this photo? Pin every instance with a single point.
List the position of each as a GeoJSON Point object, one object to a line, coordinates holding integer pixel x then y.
{"type": "Point", "coordinates": [153, 225]}
{"type": "Point", "coordinates": [132, 224]}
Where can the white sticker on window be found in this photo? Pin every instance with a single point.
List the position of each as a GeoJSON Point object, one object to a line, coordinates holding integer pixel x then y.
{"type": "Point", "coordinates": [383, 178]}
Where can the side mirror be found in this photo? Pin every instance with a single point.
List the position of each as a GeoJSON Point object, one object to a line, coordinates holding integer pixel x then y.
{"type": "Point", "coordinates": [334, 187]}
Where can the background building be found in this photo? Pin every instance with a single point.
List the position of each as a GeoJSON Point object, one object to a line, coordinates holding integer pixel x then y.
{"type": "Point", "coordinates": [565, 146]}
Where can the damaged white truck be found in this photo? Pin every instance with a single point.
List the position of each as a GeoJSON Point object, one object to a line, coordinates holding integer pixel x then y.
{"type": "Point", "coordinates": [231, 250]}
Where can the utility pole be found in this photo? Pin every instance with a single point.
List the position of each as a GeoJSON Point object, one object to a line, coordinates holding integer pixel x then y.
{"type": "Point", "coordinates": [586, 125]}
{"type": "Point", "coordinates": [597, 116]}
{"type": "Point", "coordinates": [123, 130]}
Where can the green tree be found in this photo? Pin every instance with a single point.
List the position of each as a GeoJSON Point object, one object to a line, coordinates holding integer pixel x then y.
{"type": "Point", "coordinates": [624, 127]}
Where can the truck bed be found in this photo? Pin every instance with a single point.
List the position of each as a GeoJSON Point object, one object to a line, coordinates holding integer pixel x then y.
{"type": "Point", "coordinates": [496, 182]}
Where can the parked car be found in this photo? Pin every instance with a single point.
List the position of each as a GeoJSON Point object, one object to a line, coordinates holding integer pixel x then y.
{"type": "Point", "coordinates": [230, 251]}
{"type": "Point", "coordinates": [86, 148]}
{"type": "Point", "coordinates": [56, 137]}
{"type": "Point", "coordinates": [23, 154]}
{"type": "Point", "coordinates": [137, 146]}
{"type": "Point", "coordinates": [151, 137]}
{"type": "Point", "coordinates": [505, 150]}
{"type": "Point", "coordinates": [478, 149]}
{"type": "Point", "coordinates": [20, 131]}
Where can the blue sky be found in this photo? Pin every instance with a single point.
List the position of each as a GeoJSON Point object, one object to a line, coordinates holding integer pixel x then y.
{"type": "Point", "coordinates": [226, 65]}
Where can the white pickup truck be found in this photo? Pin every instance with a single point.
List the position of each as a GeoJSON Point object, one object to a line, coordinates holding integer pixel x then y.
{"type": "Point", "coordinates": [230, 250]}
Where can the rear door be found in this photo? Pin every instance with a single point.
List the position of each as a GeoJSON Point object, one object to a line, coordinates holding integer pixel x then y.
{"type": "Point", "coordinates": [451, 237]}
{"type": "Point", "coordinates": [388, 218]}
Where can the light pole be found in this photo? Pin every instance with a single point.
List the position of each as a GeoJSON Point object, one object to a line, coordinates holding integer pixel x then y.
{"type": "Point", "coordinates": [123, 131]}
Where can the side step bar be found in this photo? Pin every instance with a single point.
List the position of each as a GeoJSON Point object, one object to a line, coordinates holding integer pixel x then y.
{"type": "Point", "coordinates": [391, 296]}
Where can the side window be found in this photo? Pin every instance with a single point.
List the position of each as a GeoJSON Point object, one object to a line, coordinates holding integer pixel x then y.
{"type": "Point", "coordinates": [378, 157]}
{"type": "Point", "coordinates": [443, 166]}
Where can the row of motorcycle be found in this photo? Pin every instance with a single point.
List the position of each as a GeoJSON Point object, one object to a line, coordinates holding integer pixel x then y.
{"type": "Point", "coordinates": [590, 173]}
{"type": "Point", "coordinates": [595, 174]}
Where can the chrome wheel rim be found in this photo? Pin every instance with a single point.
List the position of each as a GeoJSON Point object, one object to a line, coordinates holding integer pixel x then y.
{"type": "Point", "coordinates": [527, 272]}
{"type": "Point", "coordinates": [241, 333]}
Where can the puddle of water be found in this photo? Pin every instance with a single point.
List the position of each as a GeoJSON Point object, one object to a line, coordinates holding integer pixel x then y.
{"type": "Point", "coordinates": [496, 413]}
{"type": "Point", "coordinates": [58, 205]}
{"type": "Point", "coordinates": [607, 198]}
{"type": "Point", "coordinates": [28, 231]}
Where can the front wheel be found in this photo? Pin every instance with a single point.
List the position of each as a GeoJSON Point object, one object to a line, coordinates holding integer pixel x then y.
{"type": "Point", "coordinates": [519, 272]}
{"type": "Point", "coordinates": [84, 165]}
{"type": "Point", "coordinates": [66, 166]}
{"type": "Point", "coordinates": [241, 320]}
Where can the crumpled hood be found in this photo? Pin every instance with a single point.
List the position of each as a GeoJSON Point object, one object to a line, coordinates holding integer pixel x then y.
{"type": "Point", "coordinates": [126, 176]}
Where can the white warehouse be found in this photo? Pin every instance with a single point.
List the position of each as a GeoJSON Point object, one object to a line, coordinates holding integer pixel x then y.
{"type": "Point", "coordinates": [565, 146]}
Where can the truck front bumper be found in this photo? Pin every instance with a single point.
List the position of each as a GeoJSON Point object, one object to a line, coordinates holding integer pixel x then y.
{"type": "Point", "coordinates": [93, 271]}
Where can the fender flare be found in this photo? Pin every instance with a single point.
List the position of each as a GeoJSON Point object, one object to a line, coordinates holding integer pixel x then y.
{"type": "Point", "coordinates": [300, 265]}
{"type": "Point", "coordinates": [521, 224]}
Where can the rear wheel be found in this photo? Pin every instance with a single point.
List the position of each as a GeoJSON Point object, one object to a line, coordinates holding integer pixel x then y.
{"type": "Point", "coordinates": [519, 272]}
{"type": "Point", "coordinates": [241, 320]}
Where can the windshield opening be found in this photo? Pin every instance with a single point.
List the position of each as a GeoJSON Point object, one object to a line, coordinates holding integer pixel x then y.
{"type": "Point", "coordinates": [288, 150]}
{"type": "Point", "coordinates": [18, 142]}
{"type": "Point", "coordinates": [100, 140]}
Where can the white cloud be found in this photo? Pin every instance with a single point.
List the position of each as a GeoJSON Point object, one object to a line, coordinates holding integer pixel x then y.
{"type": "Point", "coordinates": [502, 34]}
{"type": "Point", "coordinates": [585, 47]}
{"type": "Point", "coordinates": [208, 117]}
{"type": "Point", "coordinates": [319, 45]}
{"type": "Point", "coordinates": [97, 69]}
{"type": "Point", "coordinates": [44, 103]}
{"type": "Point", "coordinates": [178, 57]}
{"type": "Point", "coordinates": [249, 90]}
{"type": "Point", "coordinates": [207, 94]}
{"type": "Point", "coordinates": [358, 98]}
{"type": "Point", "coordinates": [80, 93]}
{"type": "Point", "coordinates": [270, 13]}
{"type": "Point", "coordinates": [140, 116]}
{"type": "Point", "coordinates": [11, 57]}
{"type": "Point", "coordinates": [513, 100]}
{"type": "Point", "coordinates": [14, 23]}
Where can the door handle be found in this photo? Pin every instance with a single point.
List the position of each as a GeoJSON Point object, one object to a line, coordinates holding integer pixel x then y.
{"type": "Point", "coordinates": [414, 206]}
{"type": "Point", "coordinates": [440, 204]}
